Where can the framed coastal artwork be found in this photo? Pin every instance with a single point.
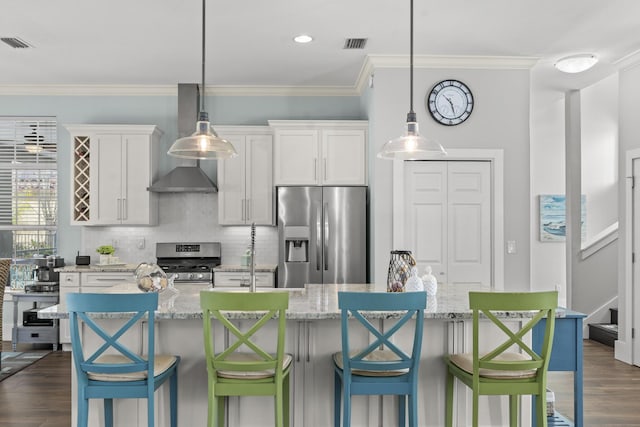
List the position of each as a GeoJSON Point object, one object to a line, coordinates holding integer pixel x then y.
{"type": "Point", "coordinates": [553, 217]}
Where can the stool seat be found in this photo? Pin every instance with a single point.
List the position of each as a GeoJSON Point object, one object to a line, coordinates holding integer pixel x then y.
{"type": "Point", "coordinates": [161, 364]}
{"type": "Point", "coordinates": [252, 358]}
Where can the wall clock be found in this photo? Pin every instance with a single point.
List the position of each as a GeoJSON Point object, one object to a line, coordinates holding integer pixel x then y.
{"type": "Point", "coordinates": [450, 102]}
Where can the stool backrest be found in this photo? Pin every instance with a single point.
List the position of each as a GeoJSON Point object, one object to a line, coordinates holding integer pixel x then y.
{"type": "Point", "coordinates": [268, 305]}
{"type": "Point", "coordinates": [81, 306]}
{"type": "Point", "coordinates": [541, 305]}
{"type": "Point", "coordinates": [408, 305]}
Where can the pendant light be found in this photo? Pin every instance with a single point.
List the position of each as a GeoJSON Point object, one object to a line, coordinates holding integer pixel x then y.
{"type": "Point", "coordinates": [411, 145]}
{"type": "Point", "coordinates": [204, 143]}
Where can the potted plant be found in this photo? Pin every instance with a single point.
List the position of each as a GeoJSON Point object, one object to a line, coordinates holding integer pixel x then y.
{"type": "Point", "coordinates": [105, 251]}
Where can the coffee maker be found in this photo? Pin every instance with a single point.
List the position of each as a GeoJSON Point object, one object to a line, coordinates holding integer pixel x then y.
{"type": "Point", "coordinates": [45, 279]}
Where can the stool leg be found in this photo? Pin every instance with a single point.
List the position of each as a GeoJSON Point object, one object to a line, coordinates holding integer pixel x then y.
{"type": "Point", "coordinates": [108, 412]}
{"type": "Point", "coordinates": [337, 399]}
{"type": "Point", "coordinates": [448, 413]}
{"type": "Point", "coordinates": [402, 409]}
{"type": "Point", "coordinates": [173, 397]}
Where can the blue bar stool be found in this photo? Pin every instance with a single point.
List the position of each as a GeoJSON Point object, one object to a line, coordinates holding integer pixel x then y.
{"type": "Point", "coordinates": [120, 374]}
{"type": "Point", "coordinates": [382, 368]}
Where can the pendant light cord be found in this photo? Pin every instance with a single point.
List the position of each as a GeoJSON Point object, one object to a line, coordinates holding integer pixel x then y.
{"type": "Point", "coordinates": [203, 56]}
{"type": "Point", "coordinates": [411, 59]}
{"type": "Point", "coordinates": [411, 115]}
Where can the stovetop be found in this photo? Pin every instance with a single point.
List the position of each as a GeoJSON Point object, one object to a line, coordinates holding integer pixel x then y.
{"type": "Point", "coordinates": [187, 261]}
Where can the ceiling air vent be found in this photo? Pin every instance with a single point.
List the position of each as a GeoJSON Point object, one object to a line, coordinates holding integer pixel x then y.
{"type": "Point", "coordinates": [354, 43]}
{"type": "Point", "coordinates": [15, 42]}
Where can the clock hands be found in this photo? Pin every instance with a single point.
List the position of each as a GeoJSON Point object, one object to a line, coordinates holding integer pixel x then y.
{"type": "Point", "coordinates": [453, 110]}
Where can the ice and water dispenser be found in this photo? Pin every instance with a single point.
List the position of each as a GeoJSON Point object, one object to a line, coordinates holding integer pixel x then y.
{"type": "Point", "coordinates": [296, 244]}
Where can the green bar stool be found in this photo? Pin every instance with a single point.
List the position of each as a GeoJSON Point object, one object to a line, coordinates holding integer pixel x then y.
{"type": "Point", "coordinates": [501, 370]}
{"type": "Point", "coordinates": [244, 368]}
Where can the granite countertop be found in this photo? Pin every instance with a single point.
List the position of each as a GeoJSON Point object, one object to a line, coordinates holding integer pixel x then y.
{"type": "Point", "coordinates": [229, 268]}
{"type": "Point", "coordinates": [314, 302]}
{"type": "Point", "coordinates": [97, 268]}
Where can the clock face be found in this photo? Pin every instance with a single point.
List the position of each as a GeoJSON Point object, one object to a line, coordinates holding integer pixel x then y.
{"type": "Point", "coordinates": [450, 102]}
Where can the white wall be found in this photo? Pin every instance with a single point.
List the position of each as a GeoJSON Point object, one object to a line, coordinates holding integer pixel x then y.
{"type": "Point", "coordinates": [548, 260]}
{"type": "Point", "coordinates": [599, 165]}
{"type": "Point", "coordinates": [599, 147]}
{"type": "Point", "coordinates": [629, 138]}
{"type": "Point", "coordinates": [500, 120]}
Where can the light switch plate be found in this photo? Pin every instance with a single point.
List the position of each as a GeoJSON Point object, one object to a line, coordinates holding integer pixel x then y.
{"type": "Point", "coordinates": [511, 247]}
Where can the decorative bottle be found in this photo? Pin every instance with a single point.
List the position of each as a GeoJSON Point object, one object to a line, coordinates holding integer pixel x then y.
{"type": "Point", "coordinates": [414, 283]}
{"type": "Point", "coordinates": [430, 282]}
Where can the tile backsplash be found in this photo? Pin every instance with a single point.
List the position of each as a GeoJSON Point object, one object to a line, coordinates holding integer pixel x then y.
{"type": "Point", "coordinates": [183, 217]}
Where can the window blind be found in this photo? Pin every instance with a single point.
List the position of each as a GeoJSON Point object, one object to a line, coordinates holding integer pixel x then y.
{"type": "Point", "coordinates": [29, 182]}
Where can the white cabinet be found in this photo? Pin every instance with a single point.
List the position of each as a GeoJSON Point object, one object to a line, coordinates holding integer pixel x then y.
{"type": "Point", "coordinates": [319, 152]}
{"type": "Point", "coordinates": [242, 279]}
{"type": "Point", "coordinates": [89, 281]}
{"type": "Point", "coordinates": [112, 166]}
{"type": "Point", "coordinates": [245, 183]}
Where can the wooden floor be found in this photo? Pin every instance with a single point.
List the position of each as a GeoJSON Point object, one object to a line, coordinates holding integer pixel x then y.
{"type": "Point", "coordinates": [40, 395]}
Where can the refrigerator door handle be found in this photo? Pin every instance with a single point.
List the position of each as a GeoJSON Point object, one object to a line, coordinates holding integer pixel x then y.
{"type": "Point", "coordinates": [325, 237]}
{"type": "Point", "coordinates": [318, 234]}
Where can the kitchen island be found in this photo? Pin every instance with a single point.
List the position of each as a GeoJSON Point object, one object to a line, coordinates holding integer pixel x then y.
{"type": "Point", "coordinates": [313, 335]}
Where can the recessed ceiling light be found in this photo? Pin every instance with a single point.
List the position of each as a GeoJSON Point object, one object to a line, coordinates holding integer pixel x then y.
{"type": "Point", "coordinates": [576, 63]}
{"type": "Point", "coordinates": [303, 38]}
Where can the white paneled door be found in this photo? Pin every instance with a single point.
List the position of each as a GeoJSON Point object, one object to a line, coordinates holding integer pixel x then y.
{"type": "Point", "coordinates": [448, 219]}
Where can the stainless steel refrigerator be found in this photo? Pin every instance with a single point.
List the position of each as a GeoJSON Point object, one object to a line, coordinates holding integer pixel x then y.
{"type": "Point", "coordinates": [322, 235]}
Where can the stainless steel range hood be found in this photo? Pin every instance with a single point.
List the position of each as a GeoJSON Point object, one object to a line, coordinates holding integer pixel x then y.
{"type": "Point", "coordinates": [186, 179]}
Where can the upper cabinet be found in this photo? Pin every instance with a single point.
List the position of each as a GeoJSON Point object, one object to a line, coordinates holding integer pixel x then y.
{"type": "Point", "coordinates": [112, 166]}
{"type": "Point", "coordinates": [245, 182]}
{"type": "Point", "coordinates": [319, 152]}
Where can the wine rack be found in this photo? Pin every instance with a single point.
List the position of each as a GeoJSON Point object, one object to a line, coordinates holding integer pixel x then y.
{"type": "Point", "coordinates": [81, 181]}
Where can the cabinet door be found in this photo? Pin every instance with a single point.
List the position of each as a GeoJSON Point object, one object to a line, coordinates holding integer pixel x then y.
{"type": "Point", "coordinates": [343, 157]}
{"type": "Point", "coordinates": [69, 282]}
{"type": "Point", "coordinates": [136, 172]}
{"type": "Point", "coordinates": [106, 179]}
{"type": "Point", "coordinates": [296, 159]}
{"type": "Point", "coordinates": [231, 186]}
{"type": "Point", "coordinates": [259, 179]}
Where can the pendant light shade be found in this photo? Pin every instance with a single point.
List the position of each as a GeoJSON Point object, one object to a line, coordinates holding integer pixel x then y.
{"type": "Point", "coordinates": [411, 145]}
{"type": "Point", "coordinates": [204, 143]}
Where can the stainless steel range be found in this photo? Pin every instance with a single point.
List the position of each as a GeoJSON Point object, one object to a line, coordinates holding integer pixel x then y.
{"type": "Point", "coordinates": [189, 261]}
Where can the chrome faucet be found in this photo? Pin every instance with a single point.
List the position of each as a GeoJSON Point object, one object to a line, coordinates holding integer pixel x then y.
{"type": "Point", "coordinates": [252, 263]}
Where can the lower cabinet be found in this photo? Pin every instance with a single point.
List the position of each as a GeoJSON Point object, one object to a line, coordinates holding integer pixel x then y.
{"type": "Point", "coordinates": [85, 282]}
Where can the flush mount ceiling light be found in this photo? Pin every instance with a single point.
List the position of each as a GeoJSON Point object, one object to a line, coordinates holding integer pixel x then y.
{"type": "Point", "coordinates": [411, 146]}
{"type": "Point", "coordinates": [576, 63]}
{"type": "Point", "coordinates": [204, 143]}
{"type": "Point", "coordinates": [303, 38]}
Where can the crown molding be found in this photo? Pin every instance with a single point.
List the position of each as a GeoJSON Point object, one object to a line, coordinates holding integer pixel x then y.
{"type": "Point", "coordinates": [452, 61]}
{"type": "Point", "coordinates": [370, 64]}
{"type": "Point", "coordinates": [628, 61]}
{"type": "Point", "coordinates": [441, 61]}
{"type": "Point", "coordinates": [89, 90]}
{"type": "Point", "coordinates": [172, 90]}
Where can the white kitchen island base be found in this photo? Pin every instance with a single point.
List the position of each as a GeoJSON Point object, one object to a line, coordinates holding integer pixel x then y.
{"type": "Point", "coordinates": [313, 335]}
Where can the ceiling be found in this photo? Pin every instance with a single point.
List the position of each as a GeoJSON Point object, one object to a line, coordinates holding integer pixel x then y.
{"type": "Point", "coordinates": [249, 43]}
